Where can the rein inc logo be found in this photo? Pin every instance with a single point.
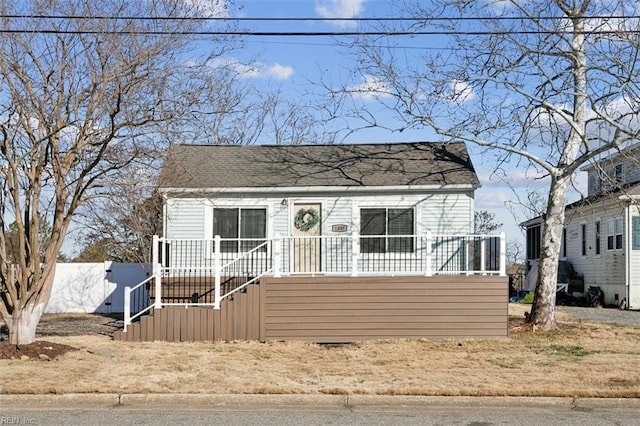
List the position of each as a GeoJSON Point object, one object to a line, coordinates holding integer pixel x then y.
{"type": "Point", "coordinates": [16, 420]}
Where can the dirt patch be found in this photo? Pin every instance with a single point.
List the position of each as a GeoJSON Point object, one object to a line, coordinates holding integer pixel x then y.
{"type": "Point", "coordinates": [56, 325]}
{"type": "Point", "coordinates": [40, 350]}
{"type": "Point", "coordinates": [75, 324]}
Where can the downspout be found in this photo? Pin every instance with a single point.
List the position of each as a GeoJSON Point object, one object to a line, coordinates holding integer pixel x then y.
{"type": "Point", "coordinates": [628, 243]}
{"type": "Point", "coordinates": [631, 200]}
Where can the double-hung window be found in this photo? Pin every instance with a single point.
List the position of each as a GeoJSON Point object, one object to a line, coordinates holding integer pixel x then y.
{"type": "Point", "coordinates": [378, 227]}
{"type": "Point", "coordinates": [240, 229]}
{"type": "Point", "coordinates": [614, 234]}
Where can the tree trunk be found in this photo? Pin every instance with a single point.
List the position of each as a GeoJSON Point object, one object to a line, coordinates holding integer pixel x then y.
{"type": "Point", "coordinates": [23, 323]}
{"type": "Point", "coordinates": [543, 310]}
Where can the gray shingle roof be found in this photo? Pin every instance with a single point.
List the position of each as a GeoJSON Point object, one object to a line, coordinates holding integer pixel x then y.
{"type": "Point", "coordinates": [240, 166]}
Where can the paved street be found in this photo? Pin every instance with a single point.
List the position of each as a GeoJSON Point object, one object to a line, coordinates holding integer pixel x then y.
{"type": "Point", "coordinates": [320, 415]}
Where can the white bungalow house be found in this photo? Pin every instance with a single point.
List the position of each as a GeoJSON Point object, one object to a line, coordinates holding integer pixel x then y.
{"type": "Point", "coordinates": [601, 237]}
{"type": "Point", "coordinates": [246, 194]}
{"type": "Point", "coordinates": [327, 218]}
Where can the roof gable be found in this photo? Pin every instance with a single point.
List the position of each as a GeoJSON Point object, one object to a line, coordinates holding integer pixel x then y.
{"type": "Point", "coordinates": [245, 166]}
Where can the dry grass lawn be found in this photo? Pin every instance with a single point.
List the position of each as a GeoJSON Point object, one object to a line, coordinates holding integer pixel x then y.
{"type": "Point", "coordinates": [579, 359]}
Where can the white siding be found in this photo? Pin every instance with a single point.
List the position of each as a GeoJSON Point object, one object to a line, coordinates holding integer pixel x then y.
{"type": "Point", "coordinates": [185, 218]}
{"type": "Point", "coordinates": [438, 213]}
{"type": "Point", "coordinates": [633, 296]}
{"type": "Point", "coordinates": [630, 173]}
{"type": "Point", "coordinates": [606, 270]}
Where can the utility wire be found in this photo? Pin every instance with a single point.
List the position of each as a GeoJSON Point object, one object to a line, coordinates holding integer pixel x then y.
{"type": "Point", "coordinates": [311, 33]}
{"type": "Point", "coordinates": [311, 19]}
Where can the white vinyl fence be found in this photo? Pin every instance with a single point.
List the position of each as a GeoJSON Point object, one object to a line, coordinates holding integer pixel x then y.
{"type": "Point", "coordinates": [93, 287]}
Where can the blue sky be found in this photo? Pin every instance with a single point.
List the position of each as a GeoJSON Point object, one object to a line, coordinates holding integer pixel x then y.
{"type": "Point", "coordinates": [295, 64]}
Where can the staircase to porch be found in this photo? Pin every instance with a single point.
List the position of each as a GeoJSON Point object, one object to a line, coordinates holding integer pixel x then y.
{"type": "Point", "coordinates": [237, 319]}
{"type": "Point", "coordinates": [198, 292]}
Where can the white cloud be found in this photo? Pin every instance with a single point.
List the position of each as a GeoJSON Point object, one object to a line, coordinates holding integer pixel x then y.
{"type": "Point", "coordinates": [493, 198]}
{"type": "Point", "coordinates": [461, 92]}
{"type": "Point", "coordinates": [255, 70]}
{"type": "Point", "coordinates": [340, 9]}
{"type": "Point", "coordinates": [372, 88]}
{"type": "Point", "coordinates": [501, 7]}
{"type": "Point", "coordinates": [208, 8]}
{"type": "Point", "coordinates": [279, 72]}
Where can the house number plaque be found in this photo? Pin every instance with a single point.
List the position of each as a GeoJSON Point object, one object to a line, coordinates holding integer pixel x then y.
{"type": "Point", "coordinates": [339, 228]}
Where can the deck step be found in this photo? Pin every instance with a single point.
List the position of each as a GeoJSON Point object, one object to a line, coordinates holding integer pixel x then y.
{"type": "Point", "coordinates": [237, 319]}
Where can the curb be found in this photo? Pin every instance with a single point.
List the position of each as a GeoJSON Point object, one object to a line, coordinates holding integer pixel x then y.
{"type": "Point", "coordinates": [105, 401]}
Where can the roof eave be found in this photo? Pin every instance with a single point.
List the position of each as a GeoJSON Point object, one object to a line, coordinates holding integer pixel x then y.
{"type": "Point", "coordinates": [354, 188]}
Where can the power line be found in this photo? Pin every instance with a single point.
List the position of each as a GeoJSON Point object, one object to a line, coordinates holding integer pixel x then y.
{"type": "Point", "coordinates": [311, 19]}
{"type": "Point", "coordinates": [311, 33]}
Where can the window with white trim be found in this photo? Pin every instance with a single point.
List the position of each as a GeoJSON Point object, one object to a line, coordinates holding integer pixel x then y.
{"type": "Point", "coordinates": [378, 227]}
{"type": "Point", "coordinates": [614, 234]}
{"type": "Point", "coordinates": [241, 229]}
{"type": "Point", "coordinates": [583, 239]}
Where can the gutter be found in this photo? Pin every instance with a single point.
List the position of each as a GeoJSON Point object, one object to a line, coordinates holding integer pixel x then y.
{"type": "Point", "coordinates": [271, 189]}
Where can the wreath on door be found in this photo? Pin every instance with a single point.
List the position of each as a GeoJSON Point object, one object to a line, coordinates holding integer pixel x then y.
{"type": "Point", "coordinates": [306, 219]}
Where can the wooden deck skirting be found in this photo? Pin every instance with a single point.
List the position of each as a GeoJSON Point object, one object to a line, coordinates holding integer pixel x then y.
{"type": "Point", "coordinates": [341, 309]}
{"type": "Point", "coordinates": [237, 319]}
{"type": "Point", "coordinates": [338, 309]}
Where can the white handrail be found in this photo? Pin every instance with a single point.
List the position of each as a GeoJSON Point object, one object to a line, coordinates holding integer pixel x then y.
{"type": "Point", "coordinates": [127, 302]}
{"type": "Point", "coordinates": [428, 254]}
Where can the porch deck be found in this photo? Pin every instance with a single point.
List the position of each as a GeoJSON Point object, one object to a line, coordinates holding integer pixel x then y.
{"type": "Point", "coordinates": [340, 309]}
{"type": "Point", "coordinates": [415, 276]}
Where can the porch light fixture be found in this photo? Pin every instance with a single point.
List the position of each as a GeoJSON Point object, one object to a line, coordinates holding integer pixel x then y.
{"type": "Point", "coordinates": [284, 202]}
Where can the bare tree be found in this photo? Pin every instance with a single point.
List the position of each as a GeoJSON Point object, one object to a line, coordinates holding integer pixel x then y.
{"type": "Point", "coordinates": [87, 92]}
{"type": "Point", "coordinates": [121, 228]}
{"type": "Point", "coordinates": [485, 222]}
{"type": "Point", "coordinates": [544, 85]}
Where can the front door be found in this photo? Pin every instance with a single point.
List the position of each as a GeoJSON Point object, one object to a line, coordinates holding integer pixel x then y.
{"type": "Point", "coordinates": [307, 245]}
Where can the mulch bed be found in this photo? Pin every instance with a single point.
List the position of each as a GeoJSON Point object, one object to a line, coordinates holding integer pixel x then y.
{"type": "Point", "coordinates": [40, 350]}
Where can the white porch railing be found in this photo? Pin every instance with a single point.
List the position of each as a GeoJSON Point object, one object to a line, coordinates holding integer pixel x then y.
{"type": "Point", "coordinates": [204, 272]}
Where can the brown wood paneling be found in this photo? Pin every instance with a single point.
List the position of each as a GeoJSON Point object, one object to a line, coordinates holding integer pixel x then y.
{"type": "Point", "coordinates": [135, 337]}
{"type": "Point", "coordinates": [217, 324]}
{"type": "Point", "coordinates": [174, 324]}
{"type": "Point", "coordinates": [253, 332]}
{"type": "Point", "coordinates": [229, 319]}
{"type": "Point", "coordinates": [146, 328]}
{"type": "Point", "coordinates": [166, 328]}
{"type": "Point", "coordinates": [156, 326]}
{"type": "Point", "coordinates": [339, 309]}
{"type": "Point", "coordinates": [238, 303]}
{"type": "Point", "coordinates": [263, 311]}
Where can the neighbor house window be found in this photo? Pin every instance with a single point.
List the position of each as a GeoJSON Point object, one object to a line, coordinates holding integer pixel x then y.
{"type": "Point", "coordinates": [533, 242]}
{"type": "Point", "coordinates": [583, 239]}
{"type": "Point", "coordinates": [564, 242]}
{"type": "Point", "coordinates": [241, 229]}
{"type": "Point", "coordinates": [614, 234]}
{"type": "Point", "coordinates": [596, 242]}
{"type": "Point", "coordinates": [617, 173]}
{"type": "Point", "coordinates": [378, 225]}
